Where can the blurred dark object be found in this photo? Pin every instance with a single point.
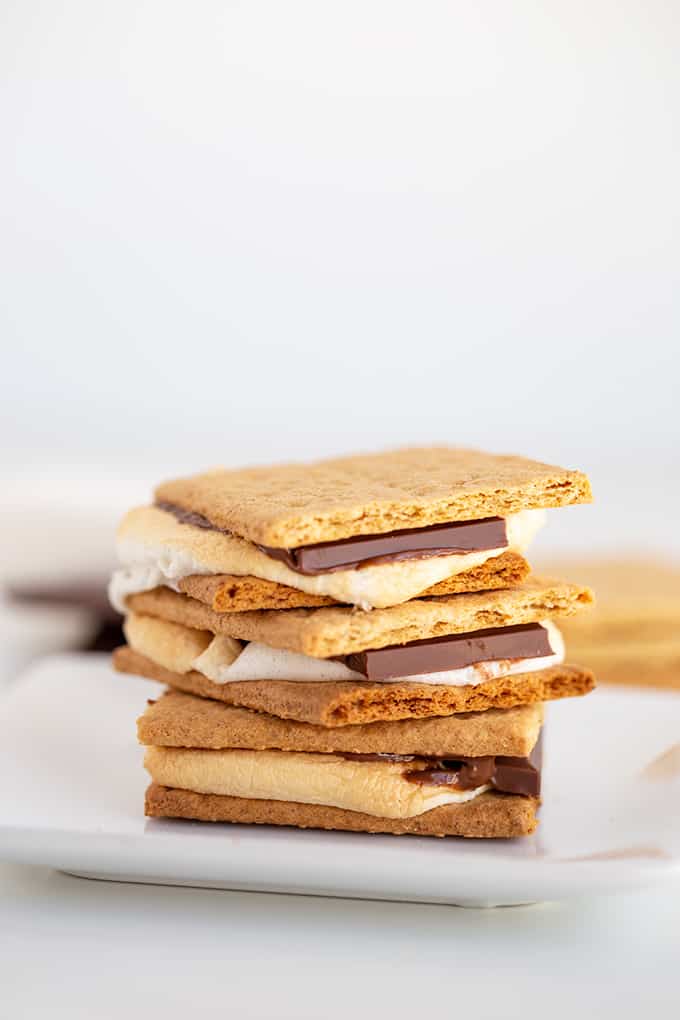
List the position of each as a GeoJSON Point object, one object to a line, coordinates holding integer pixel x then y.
{"type": "Point", "coordinates": [88, 595]}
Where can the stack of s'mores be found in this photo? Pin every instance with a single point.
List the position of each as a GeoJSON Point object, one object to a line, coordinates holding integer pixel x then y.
{"type": "Point", "coordinates": [353, 644]}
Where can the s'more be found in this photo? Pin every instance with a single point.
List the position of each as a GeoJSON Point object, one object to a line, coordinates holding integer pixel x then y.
{"type": "Point", "coordinates": [356, 644]}
{"type": "Point", "coordinates": [464, 775]}
{"type": "Point", "coordinates": [370, 531]}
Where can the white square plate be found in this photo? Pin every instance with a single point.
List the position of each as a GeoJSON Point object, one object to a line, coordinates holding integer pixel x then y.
{"type": "Point", "coordinates": [72, 788]}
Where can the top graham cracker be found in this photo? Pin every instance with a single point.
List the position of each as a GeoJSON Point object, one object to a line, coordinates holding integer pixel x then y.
{"type": "Point", "coordinates": [291, 505]}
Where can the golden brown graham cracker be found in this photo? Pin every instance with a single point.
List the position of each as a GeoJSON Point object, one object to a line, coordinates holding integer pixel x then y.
{"type": "Point", "coordinates": [491, 815]}
{"type": "Point", "coordinates": [632, 635]}
{"type": "Point", "coordinates": [339, 630]}
{"type": "Point", "coordinates": [637, 600]}
{"type": "Point", "coordinates": [227, 593]}
{"type": "Point", "coordinates": [183, 720]}
{"type": "Point", "coordinates": [644, 663]}
{"type": "Point", "coordinates": [356, 703]}
{"type": "Point", "coordinates": [289, 505]}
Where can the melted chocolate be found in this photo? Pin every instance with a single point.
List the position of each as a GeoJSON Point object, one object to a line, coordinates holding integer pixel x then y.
{"type": "Point", "coordinates": [505, 773]}
{"type": "Point", "coordinates": [188, 517]}
{"type": "Point", "coordinates": [453, 651]}
{"type": "Point", "coordinates": [412, 543]}
{"type": "Point", "coordinates": [450, 539]}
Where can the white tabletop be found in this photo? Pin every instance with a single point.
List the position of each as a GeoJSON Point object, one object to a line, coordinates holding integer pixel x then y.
{"type": "Point", "coordinates": [77, 948]}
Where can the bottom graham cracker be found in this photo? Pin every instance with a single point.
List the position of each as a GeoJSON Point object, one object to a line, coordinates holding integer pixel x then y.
{"type": "Point", "coordinates": [489, 816]}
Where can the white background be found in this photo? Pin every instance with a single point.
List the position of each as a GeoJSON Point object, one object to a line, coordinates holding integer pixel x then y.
{"type": "Point", "coordinates": [241, 231]}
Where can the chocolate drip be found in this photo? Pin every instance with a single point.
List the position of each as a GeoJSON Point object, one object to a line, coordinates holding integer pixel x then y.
{"type": "Point", "coordinates": [188, 516]}
{"type": "Point", "coordinates": [505, 773]}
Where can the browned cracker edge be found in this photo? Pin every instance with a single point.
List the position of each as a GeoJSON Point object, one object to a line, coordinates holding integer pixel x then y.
{"type": "Point", "coordinates": [228, 593]}
{"type": "Point", "coordinates": [346, 703]}
{"type": "Point", "coordinates": [339, 630]}
{"type": "Point", "coordinates": [289, 505]}
{"type": "Point", "coordinates": [491, 815]}
{"type": "Point", "coordinates": [178, 719]}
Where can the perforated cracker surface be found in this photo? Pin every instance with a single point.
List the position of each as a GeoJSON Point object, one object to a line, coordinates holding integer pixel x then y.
{"type": "Point", "coordinates": [290, 505]}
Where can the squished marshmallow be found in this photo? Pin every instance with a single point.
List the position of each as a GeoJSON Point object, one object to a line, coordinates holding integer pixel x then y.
{"type": "Point", "coordinates": [374, 788]}
{"type": "Point", "coordinates": [259, 662]}
{"type": "Point", "coordinates": [155, 549]}
{"type": "Point", "coordinates": [225, 660]}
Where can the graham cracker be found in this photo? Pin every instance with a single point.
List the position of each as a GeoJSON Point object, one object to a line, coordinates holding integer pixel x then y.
{"type": "Point", "coordinates": [491, 815]}
{"type": "Point", "coordinates": [290, 505]}
{"type": "Point", "coordinates": [635, 664]}
{"type": "Point", "coordinates": [636, 599]}
{"type": "Point", "coordinates": [339, 630]}
{"type": "Point", "coordinates": [228, 593]}
{"type": "Point", "coordinates": [632, 635]}
{"type": "Point", "coordinates": [356, 703]}
{"type": "Point", "coordinates": [630, 585]}
{"type": "Point", "coordinates": [183, 720]}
